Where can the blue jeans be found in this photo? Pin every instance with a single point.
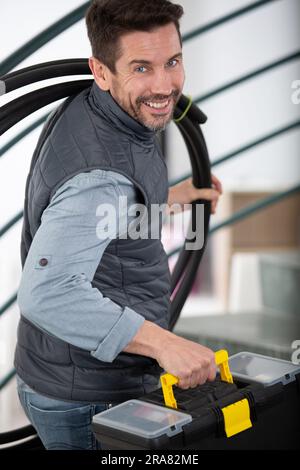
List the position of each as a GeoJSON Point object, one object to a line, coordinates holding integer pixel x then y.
{"type": "Point", "coordinates": [61, 425]}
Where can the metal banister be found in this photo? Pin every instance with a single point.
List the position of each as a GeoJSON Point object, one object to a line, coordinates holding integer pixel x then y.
{"type": "Point", "coordinates": [22, 134]}
{"type": "Point", "coordinates": [42, 38]}
{"type": "Point", "coordinates": [248, 76]}
{"type": "Point", "coordinates": [244, 148]}
{"type": "Point", "coordinates": [7, 378]}
{"type": "Point", "coordinates": [76, 15]}
{"type": "Point", "coordinates": [11, 223]}
{"type": "Point", "coordinates": [8, 303]}
{"type": "Point", "coordinates": [255, 207]}
{"type": "Point", "coordinates": [224, 19]}
{"type": "Point", "coordinates": [249, 210]}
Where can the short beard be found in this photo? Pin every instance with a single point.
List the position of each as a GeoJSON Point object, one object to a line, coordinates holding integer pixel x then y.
{"type": "Point", "coordinates": [136, 115]}
{"type": "Point", "coordinates": [157, 127]}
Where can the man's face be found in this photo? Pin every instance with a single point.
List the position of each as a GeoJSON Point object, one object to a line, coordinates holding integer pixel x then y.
{"type": "Point", "coordinates": [149, 76]}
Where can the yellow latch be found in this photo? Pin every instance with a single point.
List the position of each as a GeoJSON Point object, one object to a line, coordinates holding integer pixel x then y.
{"type": "Point", "coordinates": [237, 417]}
{"type": "Point", "coordinates": [168, 380]}
{"type": "Point", "coordinates": [222, 361]}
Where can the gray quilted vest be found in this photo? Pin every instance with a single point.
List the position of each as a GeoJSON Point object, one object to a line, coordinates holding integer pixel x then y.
{"type": "Point", "coordinates": [87, 132]}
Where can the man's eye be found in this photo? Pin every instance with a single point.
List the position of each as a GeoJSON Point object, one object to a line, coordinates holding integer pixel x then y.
{"type": "Point", "coordinates": [141, 69]}
{"type": "Point", "coordinates": [172, 63]}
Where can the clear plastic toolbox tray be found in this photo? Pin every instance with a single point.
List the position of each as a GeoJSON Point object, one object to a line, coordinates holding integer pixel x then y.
{"type": "Point", "coordinates": [144, 419]}
{"type": "Point", "coordinates": [255, 368]}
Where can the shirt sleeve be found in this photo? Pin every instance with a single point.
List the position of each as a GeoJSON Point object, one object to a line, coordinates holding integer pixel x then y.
{"type": "Point", "coordinates": [55, 292]}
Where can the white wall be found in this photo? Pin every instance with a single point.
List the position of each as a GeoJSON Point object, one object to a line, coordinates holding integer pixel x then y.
{"type": "Point", "coordinates": [255, 108]}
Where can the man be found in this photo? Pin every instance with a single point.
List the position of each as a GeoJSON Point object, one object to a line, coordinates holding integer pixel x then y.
{"type": "Point", "coordinates": [95, 307]}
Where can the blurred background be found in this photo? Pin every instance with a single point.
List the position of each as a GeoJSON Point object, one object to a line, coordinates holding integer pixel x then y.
{"type": "Point", "coordinates": [242, 61]}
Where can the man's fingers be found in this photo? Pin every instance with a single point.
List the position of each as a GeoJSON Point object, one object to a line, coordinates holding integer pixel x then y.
{"type": "Point", "coordinates": [217, 183]}
{"type": "Point", "coordinates": [212, 373]}
{"type": "Point", "coordinates": [208, 194]}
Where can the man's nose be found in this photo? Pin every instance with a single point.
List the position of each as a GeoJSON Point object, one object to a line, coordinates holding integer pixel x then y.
{"type": "Point", "coordinates": [161, 83]}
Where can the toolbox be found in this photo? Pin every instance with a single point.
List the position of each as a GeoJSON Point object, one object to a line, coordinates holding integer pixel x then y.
{"type": "Point", "coordinates": [254, 403]}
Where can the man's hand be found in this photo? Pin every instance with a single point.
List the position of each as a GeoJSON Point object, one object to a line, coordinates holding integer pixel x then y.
{"type": "Point", "coordinates": [185, 193]}
{"type": "Point", "coordinates": [192, 363]}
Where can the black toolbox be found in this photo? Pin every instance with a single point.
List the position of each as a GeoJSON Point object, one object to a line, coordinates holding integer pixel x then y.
{"type": "Point", "coordinates": [213, 416]}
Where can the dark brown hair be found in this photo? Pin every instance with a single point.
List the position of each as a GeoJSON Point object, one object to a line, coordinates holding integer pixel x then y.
{"type": "Point", "coordinates": [108, 20]}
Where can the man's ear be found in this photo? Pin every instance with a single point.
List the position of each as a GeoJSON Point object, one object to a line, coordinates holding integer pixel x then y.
{"type": "Point", "coordinates": [100, 73]}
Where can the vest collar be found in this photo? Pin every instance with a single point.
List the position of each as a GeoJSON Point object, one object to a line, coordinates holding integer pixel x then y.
{"type": "Point", "coordinates": [105, 105]}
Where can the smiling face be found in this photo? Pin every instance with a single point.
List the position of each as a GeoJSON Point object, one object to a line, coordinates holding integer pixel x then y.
{"type": "Point", "coordinates": [149, 75]}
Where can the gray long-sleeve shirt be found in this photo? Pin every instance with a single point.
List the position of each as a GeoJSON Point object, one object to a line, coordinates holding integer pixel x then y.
{"type": "Point", "coordinates": [58, 297]}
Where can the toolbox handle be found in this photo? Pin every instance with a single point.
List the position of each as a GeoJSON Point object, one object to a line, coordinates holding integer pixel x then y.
{"type": "Point", "coordinates": [168, 380]}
